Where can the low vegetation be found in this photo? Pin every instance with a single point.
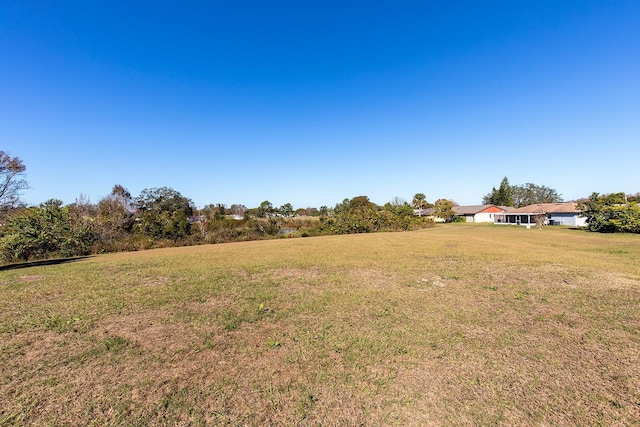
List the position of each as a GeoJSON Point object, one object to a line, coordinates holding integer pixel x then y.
{"type": "Point", "coordinates": [612, 213]}
{"type": "Point", "coordinates": [162, 217]}
{"type": "Point", "coordinates": [459, 324]}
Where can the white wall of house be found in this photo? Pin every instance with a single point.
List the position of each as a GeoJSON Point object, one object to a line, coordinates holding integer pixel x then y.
{"type": "Point", "coordinates": [568, 219]}
{"type": "Point", "coordinates": [484, 217]}
{"type": "Point", "coordinates": [480, 217]}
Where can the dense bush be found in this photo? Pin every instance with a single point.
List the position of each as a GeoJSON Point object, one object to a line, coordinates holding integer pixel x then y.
{"type": "Point", "coordinates": [459, 218]}
{"type": "Point", "coordinates": [163, 214]}
{"type": "Point", "coordinates": [361, 216]}
{"type": "Point", "coordinates": [49, 230]}
{"type": "Point", "coordinates": [611, 213]}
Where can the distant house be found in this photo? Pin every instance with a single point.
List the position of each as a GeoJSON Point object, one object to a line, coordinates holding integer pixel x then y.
{"type": "Point", "coordinates": [427, 213]}
{"type": "Point", "coordinates": [547, 213]}
{"type": "Point", "coordinates": [479, 213]}
{"type": "Point", "coordinates": [475, 213]}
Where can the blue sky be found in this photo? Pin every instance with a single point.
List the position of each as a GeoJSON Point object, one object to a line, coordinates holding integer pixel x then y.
{"type": "Point", "coordinates": [312, 102]}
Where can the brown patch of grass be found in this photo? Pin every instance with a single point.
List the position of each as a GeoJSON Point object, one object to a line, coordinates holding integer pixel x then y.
{"type": "Point", "coordinates": [35, 278]}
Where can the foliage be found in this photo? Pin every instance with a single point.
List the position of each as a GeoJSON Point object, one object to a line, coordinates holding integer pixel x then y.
{"type": "Point", "coordinates": [611, 213]}
{"type": "Point", "coordinates": [521, 195]}
{"type": "Point", "coordinates": [530, 194]}
{"type": "Point", "coordinates": [46, 231]}
{"type": "Point", "coordinates": [342, 207]}
{"type": "Point", "coordinates": [265, 210]}
{"type": "Point", "coordinates": [357, 215]}
{"type": "Point", "coordinates": [360, 215]}
{"type": "Point", "coordinates": [286, 210]}
{"type": "Point", "coordinates": [360, 202]}
{"type": "Point", "coordinates": [11, 180]}
{"type": "Point", "coordinates": [420, 202]}
{"type": "Point", "coordinates": [266, 227]}
{"type": "Point", "coordinates": [163, 214]}
{"type": "Point", "coordinates": [443, 208]}
{"type": "Point", "coordinates": [503, 196]}
{"type": "Point", "coordinates": [114, 218]}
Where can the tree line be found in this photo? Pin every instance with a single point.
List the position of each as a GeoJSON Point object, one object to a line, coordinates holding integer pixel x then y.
{"type": "Point", "coordinates": [160, 217]}
{"type": "Point", "coordinates": [518, 196]}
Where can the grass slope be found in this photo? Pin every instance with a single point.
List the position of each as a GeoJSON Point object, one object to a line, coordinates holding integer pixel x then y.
{"type": "Point", "coordinates": [455, 325]}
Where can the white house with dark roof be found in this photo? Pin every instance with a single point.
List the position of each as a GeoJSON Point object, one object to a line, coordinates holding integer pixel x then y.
{"type": "Point", "coordinates": [566, 213]}
{"type": "Point", "coordinates": [479, 213]}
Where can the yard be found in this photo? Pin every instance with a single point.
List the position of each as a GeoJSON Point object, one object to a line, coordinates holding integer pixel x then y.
{"type": "Point", "coordinates": [460, 324]}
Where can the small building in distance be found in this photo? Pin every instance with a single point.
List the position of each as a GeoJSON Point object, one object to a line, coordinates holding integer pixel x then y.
{"type": "Point", "coordinates": [480, 213]}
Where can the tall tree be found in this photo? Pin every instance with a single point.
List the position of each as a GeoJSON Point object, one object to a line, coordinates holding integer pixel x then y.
{"type": "Point", "coordinates": [420, 202]}
{"type": "Point", "coordinates": [530, 194]}
{"type": "Point", "coordinates": [265, 209]}
{"type": "Point", "coordinates": [398, 201]}
{"type": "Point", "coordinates": [115, 216]}
{"type": "Point", "coordinates": [286, 210]}
{"type": "Point", "coordinates": [12, 180]}
{"type": "Point", "coordinates": [503, 196]}
{"type": "Point", "coordinates": [122, 196]}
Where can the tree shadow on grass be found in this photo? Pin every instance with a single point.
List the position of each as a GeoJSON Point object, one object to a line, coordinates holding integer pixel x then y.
{"type": "Point", "coordinates": [41, 263]}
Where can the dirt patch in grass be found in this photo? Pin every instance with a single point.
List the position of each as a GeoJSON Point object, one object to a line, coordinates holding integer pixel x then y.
{"type": "Point", "coordinates": [26, 279]}
{"type": "Point", "coordinates": [155, 281]}
{"type": "Point", "coordinates": [149, 330]}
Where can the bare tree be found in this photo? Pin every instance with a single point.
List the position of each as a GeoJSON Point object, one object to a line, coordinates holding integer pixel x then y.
{"type": "Point", "coordinates": [238, 210]}
{"type": "Point", "coordinates": [11, 180]}
{"type": "Point", "coordinates": [202, 219]}
{"type": "Point", "coordinates": [540, 219]}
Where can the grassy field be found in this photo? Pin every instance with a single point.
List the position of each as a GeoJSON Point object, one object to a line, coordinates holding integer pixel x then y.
{"type": "Point", "coordinates": [454, 325]}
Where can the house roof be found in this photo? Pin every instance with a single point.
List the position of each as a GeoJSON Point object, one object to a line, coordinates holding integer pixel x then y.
{"type": "Point", "coordinates": [566, 207]}
{"type": "Point", "coordinates": [465, 210]}
{"type": "Point", "coordinates": [474, 209]}
{"type": "Point", "coordinates": [424, 212]}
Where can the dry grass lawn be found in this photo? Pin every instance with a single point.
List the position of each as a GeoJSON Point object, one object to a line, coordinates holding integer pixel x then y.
{"type": "Point", "coordinates": [454, 325]}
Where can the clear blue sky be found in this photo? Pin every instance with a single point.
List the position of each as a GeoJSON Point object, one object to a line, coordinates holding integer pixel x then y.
{"type": "Point", "coordinates": [311, 102]}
